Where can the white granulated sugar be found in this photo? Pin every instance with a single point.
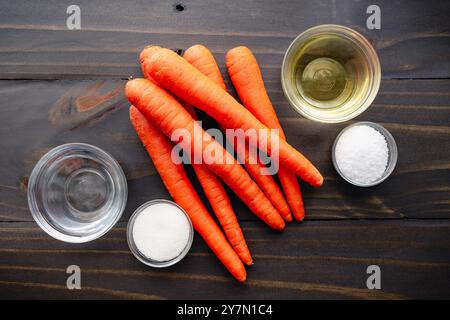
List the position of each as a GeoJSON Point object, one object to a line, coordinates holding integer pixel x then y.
{"type": "Point", "coordinates": [161, 232]}
{"type": "Point", "coordinates": [362, 154]}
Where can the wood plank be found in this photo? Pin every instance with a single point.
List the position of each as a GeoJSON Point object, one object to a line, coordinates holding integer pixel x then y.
{"type": "Point", "coordinates": [36, 116]}
{"type": "Point", "coordinates": [35, 43]}
{"type": "Point", "coordinates": [311, 260]}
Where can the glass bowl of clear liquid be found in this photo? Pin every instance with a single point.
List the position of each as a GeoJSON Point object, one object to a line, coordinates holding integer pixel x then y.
{"type": "Point", "coordinates": [77, 192]}
{"type": "Point", "coordinates": [330, 73]}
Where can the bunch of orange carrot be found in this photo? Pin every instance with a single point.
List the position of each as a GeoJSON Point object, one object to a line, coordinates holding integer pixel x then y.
{"type": "Point", "coordinates": [163, 102]}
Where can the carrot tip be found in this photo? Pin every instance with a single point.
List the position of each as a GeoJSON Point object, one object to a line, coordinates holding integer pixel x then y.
{"type": "Point", "coordinates": [148, 52]}
{"type": "Point", "coordinates": [196, 46]}
{"type": "Point", "coordinates": [239, 48]}
{"type": "Point", "coordinates": [132, 89]}
{"type": "Point", "coordinates": [248, 262]}
{"type": "Point", "coordinates": [280, 226]}
{"type": "Point", "coordinates": [316, 183]}
{"type": "Point", "coordinates": [319, 182]}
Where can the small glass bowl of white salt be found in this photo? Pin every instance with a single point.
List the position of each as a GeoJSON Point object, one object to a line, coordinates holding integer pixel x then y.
{"type": "Point", "coordinates": [364, 154]}
{"type": "Point", "coordinates": [160, 233]}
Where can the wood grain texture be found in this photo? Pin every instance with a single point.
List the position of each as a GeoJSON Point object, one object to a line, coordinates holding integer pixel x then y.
{"type": "Point", "coordinates": [64, 86]}
{"type": "Point", "coordinates": [310, 260]}
{"type": "Point", "coordinates": [36, 44]}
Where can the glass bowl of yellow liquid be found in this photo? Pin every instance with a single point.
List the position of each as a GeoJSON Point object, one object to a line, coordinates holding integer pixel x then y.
{"type": "Point", "coordinates": [330, 73]}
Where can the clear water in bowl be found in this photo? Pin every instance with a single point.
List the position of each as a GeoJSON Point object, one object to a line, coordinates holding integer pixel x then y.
{"type": "Point", "coordinates": [77, 192]}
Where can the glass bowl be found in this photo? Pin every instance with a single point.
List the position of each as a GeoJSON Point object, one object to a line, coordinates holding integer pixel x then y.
{"type": "Point", "coordinates": [330, 73]}
{"type": "Point", "coordinates": [77, 192]}
{"type": "Point", "coordinates": [392, 157]}
{"type": "Point", "coordinates": [140, 256]}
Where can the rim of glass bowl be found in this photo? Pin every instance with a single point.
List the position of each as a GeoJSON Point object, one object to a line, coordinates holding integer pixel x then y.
{"type": "Point", "coordinates": [37, 173]}
{"type": "Point", "coordinates": [393, 153]}
{"type": "Point", "coordinates": [142, 258]}
{"type": "Point", "coordinates": [366, 48]}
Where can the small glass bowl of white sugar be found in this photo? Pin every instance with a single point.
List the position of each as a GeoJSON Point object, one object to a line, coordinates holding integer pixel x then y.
{"type": "Point", "coordinates": [160, 233]}
{"type": "Point", "coordinates": [364, 154]}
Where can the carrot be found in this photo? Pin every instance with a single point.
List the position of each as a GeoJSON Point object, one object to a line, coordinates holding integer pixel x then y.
{"type": "Point", "coordinates": [177, 183]}
{"type": "Point", "coordinates": [247, 79]}
{"type": "Point", "coordinates": [201, 58]}
{"type": "Point", "coordinates": [218, 198]}
{"type": "Point", "coordinates": [265, 181]}
{"type": "Point", "coordinates": [221, 205]}
{"type": "Point", "coordinates": [162, 108]}
{"type": "Point", "coordinates": [181, 78]}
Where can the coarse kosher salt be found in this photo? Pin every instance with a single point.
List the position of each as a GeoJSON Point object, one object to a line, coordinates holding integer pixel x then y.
{"type": "Point", "coordinates": [161, 232]}
{"type": "Point", "coordinates": [362, 154]}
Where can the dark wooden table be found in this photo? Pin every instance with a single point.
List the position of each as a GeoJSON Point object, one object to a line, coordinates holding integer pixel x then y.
{"type": "Point", "coordinates": [60, 85]}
